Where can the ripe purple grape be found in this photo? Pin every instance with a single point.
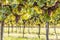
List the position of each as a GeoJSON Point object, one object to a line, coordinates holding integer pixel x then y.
{"type": "Point", "coordinates": [35, 4]}
{"type": "Point", "coordinates": [20, 7]}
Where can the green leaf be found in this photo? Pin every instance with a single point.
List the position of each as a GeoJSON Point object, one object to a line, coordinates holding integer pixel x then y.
{"type": "Point", "coordinates": [47, 17]}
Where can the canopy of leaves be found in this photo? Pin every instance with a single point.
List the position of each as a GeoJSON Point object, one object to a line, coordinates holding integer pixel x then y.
{"type": "Point", "coordinates": [30, 9]}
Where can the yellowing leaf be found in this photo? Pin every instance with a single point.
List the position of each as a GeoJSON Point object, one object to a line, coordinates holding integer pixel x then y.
{"type": "Point", "coordinates": [39, 11]}
{"type": "Point", "coordinates": [26, 16]}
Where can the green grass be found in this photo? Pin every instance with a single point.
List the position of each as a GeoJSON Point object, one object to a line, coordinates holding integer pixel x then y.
{"type": "Point", "coordinates": [19, 38]}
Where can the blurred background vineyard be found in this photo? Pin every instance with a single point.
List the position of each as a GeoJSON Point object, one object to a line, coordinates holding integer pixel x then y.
{"type": "Point", "coordinates": [25, 20]}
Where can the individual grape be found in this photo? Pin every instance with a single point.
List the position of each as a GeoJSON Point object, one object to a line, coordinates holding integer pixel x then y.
{"type": "Point", "coordinates": [6, 14]}
{"type": "Point", "coordinates": [49, 12]}
{"type": "Point", "coordinates": [35, 4]}
{"type": "Point", "coordinates": [20, 7]}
